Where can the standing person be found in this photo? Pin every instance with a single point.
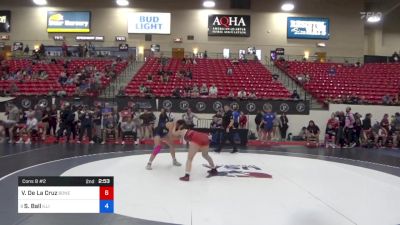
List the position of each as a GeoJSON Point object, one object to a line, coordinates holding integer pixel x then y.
{"type": "Point", "coordinates": [13, 117]}
{"type": "Point", "coordinates": [366, 128]}
{"type": "Point", "coordinates": [284, 126]}
{"type": "Point", "coordinates": [341, 136]}
{"type": "Point", "coordinates": [268, 124]}
{"type": "Point", "coordinates": [276, 130]}
{"type": "Point", "coordinates": [349, 128]}
{"type": "Point", "coordinates": [86, 119]}
{"type": "Point", "coordinates": [242, 120]}
{"type": "Point", "coordinates": [227, 130]}
{"type": "Point", "coordinates": [45, 121]}
{"type": "Point", "coordinates": [198, 142]}
{"type": "Point", "coordinates": [97, 122]}
{"type": "Point", "coordinates": [66, 122]}
{"type": "Point", "coordinates": [53, 114]}
{"type": "Point", "coordinates": [357, 128]}
{"type": "Point", "coordinates": [258, 120]}
{"type": "Point", "coordinates": [147, 118]}
{"type": "Point", "coordinates": [163, 133]}
{"type": "Point", "coordinates": [188, 117]}
{"type": "Point", "coordinates": [236, 118]}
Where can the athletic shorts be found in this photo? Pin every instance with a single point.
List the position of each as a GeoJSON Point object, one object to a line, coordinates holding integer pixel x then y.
{"type": "Point", "coordinates": [160, 131]}
{"type": "Point", "coordinates": [268, 128]}
{"type": "Point", "coordinates": [198, 138]}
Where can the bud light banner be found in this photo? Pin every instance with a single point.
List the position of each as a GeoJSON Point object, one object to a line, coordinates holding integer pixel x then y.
{"type": "Point", "coordinates": [68, 22]}
{"type": "Point", "coordinates": [229, 25]}
{"type": "Point", "coordinates": [149, 23]}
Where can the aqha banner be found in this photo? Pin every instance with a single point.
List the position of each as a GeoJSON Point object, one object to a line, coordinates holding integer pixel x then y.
{"type": "Point", "coordinates": [229, 25]}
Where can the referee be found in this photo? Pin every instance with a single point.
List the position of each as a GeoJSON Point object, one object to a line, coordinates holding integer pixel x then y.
{"type": "Point", "coordinates": [227, 130]}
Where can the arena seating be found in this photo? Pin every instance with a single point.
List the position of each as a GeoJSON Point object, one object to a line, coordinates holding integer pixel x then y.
{"type": "Point", "coordinates": [369, 82]}
{"type": "Point", "coordinates": [42, 87]}
{"type": "Point", "coordinates": [250, 76]}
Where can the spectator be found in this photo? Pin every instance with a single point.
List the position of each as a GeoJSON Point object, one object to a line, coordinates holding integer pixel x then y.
{"type": "Point", "coordinates": [241, 94]}
{"type": "Point", "coordinates": [86, 119]}
{"type": "Point", "coordinates": [2, 132]}
{"type": "Point", "coordinates": [268, 124]}
{"type": "Point", "coordinates": [330, 136]}
{"type": "Point", "coordinates": [252, 95]}
{"type": "Point", "coordinates": [26, 50]}
{"type": "Point", "coordinates": [148, 119]}
{"type": "Point", "coordinates": [242, 120]}
{"type": "Point", "coordinates": [53, 114]}
{"type": "Point", "coordinates": [284, 126]}
{"type": "Point", "coordinates": [13, 117]}
{"type": "Point", "coordinates": [142, 89]}
{"type": "Point", "coordinates": [205, 55]}
{"type": "Point", "coordinates": [177, 93]}
{"type": "Point", "coordinates": [312, 133]}
{"type": "Point", "coordinates": [275, 130]}
{"type": "Point", "coordinates": [203, 90]}
{"type": "Point", "coordinates": [188, 117]}
{"type": "Point", "coordinates": [349, 128]}
{"type": "Point", "coordinates": [387, 100]}
{"type": "Point", "coordinates": [213, 91]}
{"type": "Point", "coordinates": [110, 128]}
{"type": "Point", "coordinates": [295, 95]}
{"type": "Point", "coordinates": [128, 128]}
{"type": "Point", "coordinates": [385, 122]}
{"type": "Point", "coordinates": [396, 57]}
{"type": "Point", "coordinates": [195, 91]}
{"type": "Point", "coordinates": [229, 71]}
{"type": "Point", "coordinates": [235, 61]}
{"type": "Point", "coordinates": [64, 48]}
{"type": "Point", "coordinates": [332, 71]}
{"type": "Point", "coordinates": [231, 94]}
{"type": "Point", "coordinates": [31, 128]}
{"type": "Point", "coordinates": [149, 77]}
{"type": "Point", "coordinates": [258, 120]}
{"type": "Point", "coordinates": [366, 128]}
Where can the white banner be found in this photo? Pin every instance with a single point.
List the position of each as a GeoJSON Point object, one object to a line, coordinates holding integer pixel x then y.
{"type": "Point", "coordinates": [149, 23]}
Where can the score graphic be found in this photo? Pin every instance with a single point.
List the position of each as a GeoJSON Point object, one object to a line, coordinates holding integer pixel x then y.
{"type": "Point", "coordinates": [65, 195]}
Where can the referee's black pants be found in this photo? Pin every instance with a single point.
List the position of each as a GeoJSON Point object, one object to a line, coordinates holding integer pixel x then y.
{"type": "Point", "coordinates": [227, 136]}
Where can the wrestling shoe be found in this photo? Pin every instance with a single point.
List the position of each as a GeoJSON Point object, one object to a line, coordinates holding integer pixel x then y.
{"type": "Point", "coordinates": [213, 172]}
{"type": "Point", "coordinates": [234, 151]}
{"type": "Point", "coordinates": [148, 166]}
{"type": "Point", "coordinates": [176, 163]}
{"type": "Point", "coordinates": [185, 178]}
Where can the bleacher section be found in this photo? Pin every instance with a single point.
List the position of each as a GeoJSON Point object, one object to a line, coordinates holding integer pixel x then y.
{"type": "Point", "coordinates": [42, 87]}
{"type": "Point", "coordinates": [369, 82]}
{"type": "Point", "coordinates": [250, 76]}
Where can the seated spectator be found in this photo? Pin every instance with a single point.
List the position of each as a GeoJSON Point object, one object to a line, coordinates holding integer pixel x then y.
{"type": "Point", "coordinates": [110, 128]}
{"type": "Point", "coordinates": [332, 71]}
{"type": "Point", "coordinates": [312, 133]}
{"type": "Point", "coordinates": [213, 91]}
{"type": "Point", "coordinates": [229, 71]}
{"type": "Point", "coordinates": [30, 128]}
{"type": "Point", "coordinates": [63, 78]}
{"type": "Point", "coordinates": [330, 136]}
{"type": "Point", "coordinates": [235, 61]}
{"type": "Point", "coordinates": [195, 91]}
{"type": "Point", "coordinates": [380, 135]}
{"type": "Point", "coordinates": [295, 95]}
{"type": "Point", "coordinates": [164, 78]}
{"type": "Point", "coordinates": [142, 89]}
{"type": "Point", "coordinates": [242, 94]}
{"type": "Point", "coordinates": [177, 93]}
{"type": "Point", "coordinates": [128, 128]}
{"type": "Point", "coordinates": [387, 100]}
{"type": "Point", "coordinates": [252, 95]}
{"type": "Point", "coordinates": [203, 90]}
{"type": "Point", "coordinates": [43, 75]}
{"type": "Point", "coordinates": [396, 57]}
{"type": "Point", "coordinates": [188, 74]}
{"type": "Point", "coordinates": [149, 77]}
{"type": "Point", "coordinates": [231, 94]}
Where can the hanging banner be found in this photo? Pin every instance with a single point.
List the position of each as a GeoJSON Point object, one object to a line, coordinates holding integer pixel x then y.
{"type": "Point", "coordinates": [68, 22]}
{"type": "Point", "coordinates": [149, 23]}
{"type": "Point", "coordinates": [229, 25]}
{"type": "Point", "coordinates": [308, 28]}
{"type": "Point", "coordinates": [5, 21]}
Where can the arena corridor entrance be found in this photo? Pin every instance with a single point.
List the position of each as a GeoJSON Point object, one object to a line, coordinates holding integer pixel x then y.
{"type": "Point", "coordinates": [178, 53]}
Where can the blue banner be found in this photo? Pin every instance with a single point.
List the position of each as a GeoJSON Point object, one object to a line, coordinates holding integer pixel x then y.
{"type": "Point", "coordinates": [308, 28]}
{"type": "Point", "coordinates": [68, 22]}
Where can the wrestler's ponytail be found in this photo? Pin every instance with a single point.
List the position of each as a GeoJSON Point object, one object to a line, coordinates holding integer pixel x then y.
{"type": "Point", "coordinates": [181, 124]}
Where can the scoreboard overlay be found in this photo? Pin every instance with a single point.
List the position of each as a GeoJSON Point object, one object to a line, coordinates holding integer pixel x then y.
{"type": "Point", "coordinates": [65, 194]}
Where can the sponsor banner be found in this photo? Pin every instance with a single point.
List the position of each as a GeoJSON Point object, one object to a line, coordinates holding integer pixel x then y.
{"type": "Point", "coordinates": [5, 21]}
{"type": "Point", "coordinates": [18, 46]}
{"type": "Point", "coordinates": [204, 105]}
{"type": "Point", "coordinates": [136, 103]}
{"type": "Point", "coordinates": [123, 47]}
{"type": "Point", "coordinates": [308, 28]}
{"type": "Point", "coordinates": [149, 23]}
{"type": "Point", "coordinates": [68, 22]}
{"type": "Point", "coordinates": [89, 38]}
{"type": "Point", "coordinates": [155, 47]}
{"type": "Point", "coordinates": [229, 25]}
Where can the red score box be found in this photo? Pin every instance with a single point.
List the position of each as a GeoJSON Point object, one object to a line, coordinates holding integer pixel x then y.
{"type": "Point", "coordinates": [106, 193]}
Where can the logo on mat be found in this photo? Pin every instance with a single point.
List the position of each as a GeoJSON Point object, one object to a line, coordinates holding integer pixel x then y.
{"type": "Point", "coordinates": [26, 103]}
{"type": "Point", "coordinates": [167, 104]}
{"type": "Point", "coordinates": [217, 105]}
{"type": "Point", "coordinates": [201, 106]}
{"type": "Point", "coordinates": [245, 171]}
{"type": "Point", "coordinates": [284, 107]}
{"type": "Point", "coordinates": [184, 105]}
{"type": "Point", "coordinates": [300, 107]}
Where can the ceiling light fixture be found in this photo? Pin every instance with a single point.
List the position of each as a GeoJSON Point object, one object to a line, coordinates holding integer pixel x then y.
{"type": "Point", "coordinates": [209, 4]}
{"type": "Point", "coordinates": [287, 7]}
{"type": "Point", "coordinates": [122, 2]}
{"type": "Point", "coordinates": [374, 19]}
{"type": "Point", "coordinates": [40, 2]}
